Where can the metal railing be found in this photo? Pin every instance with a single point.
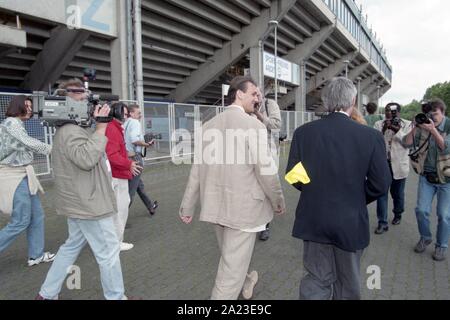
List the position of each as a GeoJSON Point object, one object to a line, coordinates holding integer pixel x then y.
{"type": "Point", "coordinates": [351, 17]}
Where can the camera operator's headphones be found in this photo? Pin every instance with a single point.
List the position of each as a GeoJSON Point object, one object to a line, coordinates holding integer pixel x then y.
{"type": "Point", "coordinates": [118, 111]}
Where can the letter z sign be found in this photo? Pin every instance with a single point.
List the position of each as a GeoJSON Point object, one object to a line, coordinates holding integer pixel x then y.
{"type": "Point", "coordinates": [81, 13]}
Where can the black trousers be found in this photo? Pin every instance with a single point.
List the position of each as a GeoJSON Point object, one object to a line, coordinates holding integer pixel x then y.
{"type": "Point", "coordinates": [136, 185]}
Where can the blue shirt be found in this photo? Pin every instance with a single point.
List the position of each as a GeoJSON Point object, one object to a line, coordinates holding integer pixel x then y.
{"type": "Point", "coordinates": [133, 133]}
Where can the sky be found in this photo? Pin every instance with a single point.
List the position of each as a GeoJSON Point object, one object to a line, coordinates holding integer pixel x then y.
{"type": "Point", "coordinates": [416, 36]}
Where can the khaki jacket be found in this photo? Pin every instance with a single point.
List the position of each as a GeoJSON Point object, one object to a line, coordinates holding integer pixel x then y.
{"type": "Point", "coordinates": [238, 196]}
{"type": "Point", "coordinates": [399, 152]}
{"type": "Point", "coordinates": [82, 177]}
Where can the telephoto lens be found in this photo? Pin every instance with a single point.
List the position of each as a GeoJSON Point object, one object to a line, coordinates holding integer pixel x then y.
{"type": "Point", "coordinates": [422, 118]}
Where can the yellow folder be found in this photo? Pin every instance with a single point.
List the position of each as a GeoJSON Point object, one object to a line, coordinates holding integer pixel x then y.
{"type": "Point", "coordinates": [297, 174]}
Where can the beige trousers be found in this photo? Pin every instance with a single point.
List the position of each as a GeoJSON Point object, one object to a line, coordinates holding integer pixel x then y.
{"type": "Point", "coordinates": [236, 248]}
{"type": "Point", "coordinates": [120, 187]}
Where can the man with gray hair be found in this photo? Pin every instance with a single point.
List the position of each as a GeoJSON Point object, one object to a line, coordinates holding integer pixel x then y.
{"type": "Point", "coordinates": [339, 166]}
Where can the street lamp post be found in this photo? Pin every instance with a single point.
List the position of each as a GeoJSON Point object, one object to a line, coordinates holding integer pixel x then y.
{"type": "Point", "coordinates": [359, 94]}
{"type": "Point", "coordinates": [274, 24]}
{"type": "Point", "coordinates": [346, 62]}
{"type": "Point", "coordinates": [378, 94]}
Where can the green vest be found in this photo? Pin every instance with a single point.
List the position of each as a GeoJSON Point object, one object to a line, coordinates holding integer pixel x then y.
{"type": "Point", "coordinates": [442, 162]}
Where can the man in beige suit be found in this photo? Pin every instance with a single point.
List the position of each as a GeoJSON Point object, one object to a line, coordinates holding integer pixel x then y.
{"type": "Point", "coordinates": [238, 186]}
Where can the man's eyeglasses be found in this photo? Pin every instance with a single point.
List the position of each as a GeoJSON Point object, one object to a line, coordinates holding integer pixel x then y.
{"type": "Point", "coordinates": [79, 91]}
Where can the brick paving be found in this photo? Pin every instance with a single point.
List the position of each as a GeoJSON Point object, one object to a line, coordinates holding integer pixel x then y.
{"type": "Point", "coordinates": [173, 261]}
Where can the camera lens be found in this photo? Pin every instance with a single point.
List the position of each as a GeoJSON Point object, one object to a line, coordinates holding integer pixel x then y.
{"type": "Point", "coordinates": [422, 118]}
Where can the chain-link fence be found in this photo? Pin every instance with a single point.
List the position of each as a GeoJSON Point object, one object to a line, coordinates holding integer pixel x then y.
{"type": "Point", "coordinates": [165, 121]}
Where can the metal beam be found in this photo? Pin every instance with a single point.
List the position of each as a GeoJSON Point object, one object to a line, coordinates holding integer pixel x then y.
{"type": "Point", "coordinates": [366, 83]}
{"type": "Point", "coordinates": [231, 52]}
{"type": "Point", "coordinates": [12, 37]}
{"type": "Point", "coordinates": [319, 79]}
{"type": "Point", "coordinates": [207, 13]}
{"type": "Point", "coordinates": [56, 55]}
{"type": "Point", "coordinates": [305, 50]}
{"type": "Point", "coordinates": [229, 9]}
{"type": "Point", "coordinates": [356, 72]}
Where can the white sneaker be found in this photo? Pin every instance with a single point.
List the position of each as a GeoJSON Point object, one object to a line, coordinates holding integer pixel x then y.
{"type": "Point", "coordinates": [126, 246]}
{"type": "Point", "coordinates": [249, 284]}
{"type": "Point", "coordinates": [46, 257]}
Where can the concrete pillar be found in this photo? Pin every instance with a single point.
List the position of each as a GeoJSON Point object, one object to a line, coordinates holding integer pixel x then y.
{"type": "Point", "coordinates": [256, 65]}
{"type": "Point", "coordinates": [300, 91]}
{"type": "Point", "coordinates": [119, 57]}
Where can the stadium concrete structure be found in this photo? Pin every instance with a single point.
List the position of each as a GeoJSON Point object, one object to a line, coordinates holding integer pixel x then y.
{"type": "Point", "coordinates": [184, 50]}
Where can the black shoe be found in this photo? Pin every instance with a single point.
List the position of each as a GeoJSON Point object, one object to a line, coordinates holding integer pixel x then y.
{"type": "Point", "coordinates": [153, 209]}
{"type": "Point", "coordinates": [381, 229]}
{"type": "Point", "coordinates": [396, 221]}
{"type": "Point", "coordinates": [264, 235]}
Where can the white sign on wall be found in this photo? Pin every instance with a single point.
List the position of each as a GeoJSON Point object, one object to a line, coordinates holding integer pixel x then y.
{"type": "Point", "coordinates": [287, 71]}
{"type": "Point", "coordinates": [94, 15]}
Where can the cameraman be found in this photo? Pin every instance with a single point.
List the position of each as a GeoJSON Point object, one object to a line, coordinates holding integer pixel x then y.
{"type": "Point", "coordinates": [134, 141]}
{"type": "Point", "coordinates": [394, 129]}
{"type": "Point", "coordinates": [431, 160]}
{"type": "Point", "coordinates": [84, 194]}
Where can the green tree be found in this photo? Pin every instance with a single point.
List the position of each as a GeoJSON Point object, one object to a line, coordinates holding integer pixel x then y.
{"type": "Point", "coordinates": [442, 91]}
{"type": "Point", "coordinates": [410, 110]}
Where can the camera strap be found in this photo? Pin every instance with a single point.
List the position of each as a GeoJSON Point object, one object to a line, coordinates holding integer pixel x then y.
{"type": "Point", "coordinates": [417, 151]}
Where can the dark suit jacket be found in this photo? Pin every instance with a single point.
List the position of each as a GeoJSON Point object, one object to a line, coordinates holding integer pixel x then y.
{"type": "Point", "coordinates": [347, 165]}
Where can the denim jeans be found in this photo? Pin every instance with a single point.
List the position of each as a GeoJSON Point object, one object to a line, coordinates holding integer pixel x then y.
{"type": "Point", "coordinates": [27, 215]}
{"type": "Point", "coordinates": [425, 195]}
{"type": "Point", "coordinates": [102, 238]}
{"type": "Point", "coordinates": [398, 196]}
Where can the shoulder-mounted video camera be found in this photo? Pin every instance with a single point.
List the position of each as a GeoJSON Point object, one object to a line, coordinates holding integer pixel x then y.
{"type": "Point", "coordinates": [60, 109]}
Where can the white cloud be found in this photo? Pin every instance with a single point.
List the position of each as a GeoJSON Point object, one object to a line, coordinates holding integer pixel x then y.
{"type": "Point", "coordinates": [416, 36]}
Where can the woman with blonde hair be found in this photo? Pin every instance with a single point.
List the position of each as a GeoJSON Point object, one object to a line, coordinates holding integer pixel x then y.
{"type": "Point", "coordinates": [358, 117]}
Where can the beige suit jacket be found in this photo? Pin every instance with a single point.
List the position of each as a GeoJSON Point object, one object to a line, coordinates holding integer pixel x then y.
{"type": "Point", "coordinates": [238, 195]}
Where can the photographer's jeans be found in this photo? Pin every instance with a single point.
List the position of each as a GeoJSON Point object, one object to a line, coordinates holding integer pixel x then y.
{"type": "Point", "coordinates": [425, 195]}
{"type": "Point", "coordinates": [398, 196]}
{"type": "Point", "coordinates": [102, 238]}
{"type": "Point", "coordinates": [27, 215]}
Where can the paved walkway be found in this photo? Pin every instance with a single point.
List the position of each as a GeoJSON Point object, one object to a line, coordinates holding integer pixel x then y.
{"type": "Point", "coordinates": [173, 261]}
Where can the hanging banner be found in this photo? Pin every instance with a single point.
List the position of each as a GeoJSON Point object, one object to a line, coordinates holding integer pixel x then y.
{"type": "Point", "coordinates": [287, 71]}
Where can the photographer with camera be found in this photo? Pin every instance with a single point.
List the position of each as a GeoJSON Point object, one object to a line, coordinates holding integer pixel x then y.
{"type": "Point", "coordinates": [19, 185]}
{"type": "Point", "coordinates": [430, 139]}
{"type": "Point", "coordinates": [84, 194]}
{"type": "Point", "coordinates": [268, 112]}
{"type": "Point", "coordinates": [394, 129]}
{"type": "Point", "coordinates": [135, 142]}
